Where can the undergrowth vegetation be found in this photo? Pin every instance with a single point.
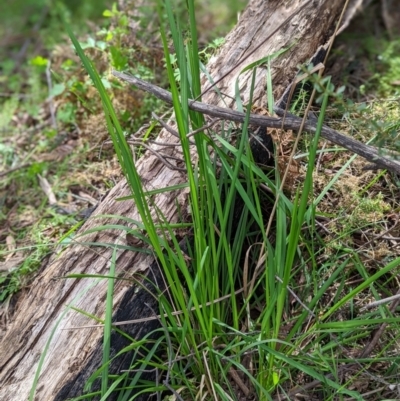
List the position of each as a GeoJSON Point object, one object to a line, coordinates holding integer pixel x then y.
{"type": "Point", "coordinates": [274, 287]}
{"type": "Point", "coordinates": [50, 117]}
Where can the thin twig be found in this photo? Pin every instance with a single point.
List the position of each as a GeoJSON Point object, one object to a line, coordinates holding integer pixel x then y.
{"type": "Point", "coordinates": [310, 312]}
{"type": "Point", "coordinates": [146, 319]}
{"type": "Point", "coordinates": [201, 129]}
{"type": "Point", "coordinates": [234, 376]}
{"type": "Point", "coordinates": [169, 128]}
{"type": "Point", "coordinates": [178, 397]}
{"type": "Point", "coordinates": [165, 125]}
{"type": "Point", "coordinates": [168, 338]}
{"type": "Point", "coordinates": [162, 158]}
{"type": "Point", "coordinates": [166, 144]}
{"type": "Point", "coordinates": [11, 170]}
{"type": "Point", "coordinates": [51, 97]}
{"type": "Point", "coordinates": [378, 333]}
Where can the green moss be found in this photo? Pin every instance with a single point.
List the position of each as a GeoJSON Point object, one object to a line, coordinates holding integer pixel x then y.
{"type": "Point", "coordinates": [368, 210]}
{"type": "Point", "coordinates": [389, 79]}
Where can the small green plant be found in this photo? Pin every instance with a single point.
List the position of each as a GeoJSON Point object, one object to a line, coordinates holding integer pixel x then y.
{"type": "Point", "coordinates": [119, 55]}
{"type": "Point", "coordinates": [13, 280]}
{"type": "Point", "coordinates": [210, 50]}
{"type": "Point", "coordinates": [388, 83]}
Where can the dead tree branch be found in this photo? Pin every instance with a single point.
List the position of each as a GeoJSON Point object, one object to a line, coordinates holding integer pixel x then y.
{"type": "Point", "coordinates": [285, 121]}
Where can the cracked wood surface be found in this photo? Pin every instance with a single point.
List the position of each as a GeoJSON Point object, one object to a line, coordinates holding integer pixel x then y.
{"type": "Point", "coordinates": [42, 313]}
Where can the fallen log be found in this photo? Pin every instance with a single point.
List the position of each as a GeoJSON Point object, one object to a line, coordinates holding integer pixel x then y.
{"type": "Point", "coordinates": [38, 345]}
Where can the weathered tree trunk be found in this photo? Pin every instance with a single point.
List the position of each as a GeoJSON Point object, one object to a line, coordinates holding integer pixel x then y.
{"type": "Point", "coordinates": [42, 317]}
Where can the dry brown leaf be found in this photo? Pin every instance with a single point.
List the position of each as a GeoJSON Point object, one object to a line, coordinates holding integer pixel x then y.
{"type": "Point", "coordinates": [46, 187]}
{"type": "Point", "coordinates": [87, 197]}
{"type": "Point", "coordinates": [12, 263]}
{"type": "Point", "coordinates": [59, 153]}
{"type": "Point", "coordinates": [10, 242]}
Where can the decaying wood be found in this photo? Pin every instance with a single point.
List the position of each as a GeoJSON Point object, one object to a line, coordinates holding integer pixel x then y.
{"type": "Point", "coordinates": [391, 16]}
{"type": "Point", "coordinates": [43, 314]}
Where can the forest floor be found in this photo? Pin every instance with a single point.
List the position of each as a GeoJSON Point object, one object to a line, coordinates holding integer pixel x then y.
{"type": "Point", "coordinates": [57, 162]}
{"type": "Point", "coordinates": [56, 159]}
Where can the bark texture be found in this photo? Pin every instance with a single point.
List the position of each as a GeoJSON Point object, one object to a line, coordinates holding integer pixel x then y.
{"type": "Point", "coordinates": [391, 16]}
{"type": "Point", "coordinates": [43, 314]}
